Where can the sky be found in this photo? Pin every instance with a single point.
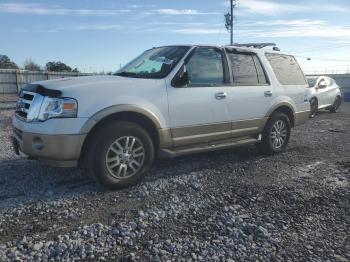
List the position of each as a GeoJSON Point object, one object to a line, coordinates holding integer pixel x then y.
{"type": "Point", "coordinates": [101, 35]}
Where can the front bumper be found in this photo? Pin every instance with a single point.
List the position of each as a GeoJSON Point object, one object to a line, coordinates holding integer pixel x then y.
{"type": "Point", "coordinates": [55, 150]}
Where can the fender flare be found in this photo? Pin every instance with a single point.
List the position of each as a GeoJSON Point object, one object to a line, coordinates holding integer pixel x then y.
{"type": "Point", "coordinates": [100, 115]}
{"type": "Point", "coordinates": [287, 105]}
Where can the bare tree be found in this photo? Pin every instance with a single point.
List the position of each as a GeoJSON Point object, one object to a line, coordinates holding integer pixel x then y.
{"type": "Point", "coordinates": [30, 65]}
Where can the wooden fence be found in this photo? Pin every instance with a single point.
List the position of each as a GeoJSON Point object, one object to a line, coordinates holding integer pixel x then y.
{"type": "Point", "coordinates": [11, 81]}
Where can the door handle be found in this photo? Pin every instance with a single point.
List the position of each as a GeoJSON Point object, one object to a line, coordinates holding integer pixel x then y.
{"type": "Point", "coordinates": [220, 95]}
{"type": "Point", "coordinates": [268, 93]}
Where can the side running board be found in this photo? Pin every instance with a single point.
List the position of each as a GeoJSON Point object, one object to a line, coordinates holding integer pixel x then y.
{"type": "Point", "coordinates": [174, 152]}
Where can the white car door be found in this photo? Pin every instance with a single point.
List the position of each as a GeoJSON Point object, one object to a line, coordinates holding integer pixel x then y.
{"type": "Point", "coordinates": [331, 91]}
{"type": "Point", "coordinates": [321, 92]}
{"type": "Point", "coordinates": [250, 97]}
{"type": "Point", "coordinates": [198, 110]}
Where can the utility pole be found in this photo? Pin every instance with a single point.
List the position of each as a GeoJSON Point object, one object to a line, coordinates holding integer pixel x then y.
{"type": "Point", "coordinates": [229, 19]}
{"type": "Point", "coordinates": [231, 32]}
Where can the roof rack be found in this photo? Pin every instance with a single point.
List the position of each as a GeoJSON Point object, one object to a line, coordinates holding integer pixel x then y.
{"type": "Point", "coordinates": [255, 45]}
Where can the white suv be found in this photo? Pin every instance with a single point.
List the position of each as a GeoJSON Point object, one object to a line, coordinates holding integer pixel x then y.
{"type": "Point", "coordinates": [169, 101]}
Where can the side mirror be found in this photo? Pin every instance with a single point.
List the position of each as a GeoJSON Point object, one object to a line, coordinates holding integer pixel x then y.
{"type": "Point", "coordinates": [181, 79]}
{"type": "Point", "coordinates": [322, 84]}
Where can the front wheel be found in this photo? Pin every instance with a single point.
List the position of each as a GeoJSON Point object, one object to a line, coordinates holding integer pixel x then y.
{"type": "Point", "coordinates": [275, 136]}
{"type": "Point", "coordinates": [336, 104]}
{"type": "Point", "coordinates": [119, 155]}
{"type": "Point", "coordinates": [313, 107]}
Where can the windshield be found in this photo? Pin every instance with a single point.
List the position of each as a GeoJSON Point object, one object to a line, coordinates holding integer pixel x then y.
{"type": "Point", "coordinates": [312, 81]}
{"type": "Point", "coordinates": [154, 63]}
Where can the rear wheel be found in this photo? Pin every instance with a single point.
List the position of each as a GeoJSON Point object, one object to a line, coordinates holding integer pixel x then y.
{"type": "Point", "coordinates": [336, 104]}
{"type": "Point", "coordinates": [313, 107]}
{"type": "Point", "coordinates": [275, 136]}
{"type": "Point", "coordinates": [119, 155]}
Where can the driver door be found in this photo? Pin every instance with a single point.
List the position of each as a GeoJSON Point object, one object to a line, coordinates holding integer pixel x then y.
{"type": "Point", "coordinates": [331, 91]}
{"type": "Point", "coordinates": [198, 111]}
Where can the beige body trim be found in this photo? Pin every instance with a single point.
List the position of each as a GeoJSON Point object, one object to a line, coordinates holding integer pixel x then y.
{"type": "Point", "coordinates": [188, 135]}
{"type": "Point", "coordinates": [301, 117]}
{"type": "Point", "coordinates": [248, 127]}
{"type": "Point", "coordinates": [201, 133]}
{"type": "Point", "coordinates": [165, 138]}
{"type": "Point", "coordinates": [56, 150]}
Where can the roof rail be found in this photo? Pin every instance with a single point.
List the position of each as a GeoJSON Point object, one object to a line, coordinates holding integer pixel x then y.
{"type": "Point", "coordinates": [255, 45]}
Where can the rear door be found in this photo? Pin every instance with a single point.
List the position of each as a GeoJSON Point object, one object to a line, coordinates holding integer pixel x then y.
{"type": "Point", "coordinates": [322, 89]}
{"type": "Point", "coordinates": [251, 95]}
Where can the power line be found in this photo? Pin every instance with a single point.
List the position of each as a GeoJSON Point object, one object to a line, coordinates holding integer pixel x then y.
{"type": "Point", "coordinates": [324, 59]}
{"type": "Point", "coordinates": [316, 48]}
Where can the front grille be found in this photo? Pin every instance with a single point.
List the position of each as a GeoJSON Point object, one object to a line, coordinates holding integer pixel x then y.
{"type": "Point", "coordinates": [23, 104]}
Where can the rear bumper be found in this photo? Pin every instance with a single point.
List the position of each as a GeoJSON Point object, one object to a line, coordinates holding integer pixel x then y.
{"type": "Point", "coordinates": [301, 117]}
{"type": "Point", "coordinates": [55, 150]}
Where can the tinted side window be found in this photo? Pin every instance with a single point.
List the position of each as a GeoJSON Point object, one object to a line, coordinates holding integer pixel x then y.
{"type": "Point", "coordinates": [246, 69]}
{"type": "Point", "coordinates": [287, 69]}
{"type": "Point", "coordinates": [205, 67]}
{"type": "Point", "coordinates": [260, 71]}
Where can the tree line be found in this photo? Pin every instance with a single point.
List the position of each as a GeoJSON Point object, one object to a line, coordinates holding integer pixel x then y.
{"type": "Point", "coordinates": [29, 64]}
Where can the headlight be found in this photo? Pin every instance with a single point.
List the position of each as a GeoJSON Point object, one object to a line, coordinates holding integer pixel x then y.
{"type": "Point", "coordinates": [58, 107]}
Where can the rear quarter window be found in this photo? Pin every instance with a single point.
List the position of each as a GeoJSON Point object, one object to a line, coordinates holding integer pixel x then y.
{"type": "Point", "coordinates": [246, 69]}
{"type": "Point", "coordinates": [286, 69]}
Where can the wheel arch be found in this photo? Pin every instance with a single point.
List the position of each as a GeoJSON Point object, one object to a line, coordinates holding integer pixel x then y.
{"type": "Point", "coordinates": [314, 98]}
{"type": "Point", "coordinates": [143, 117]}
{"type": "Point", "coordinates": [285, 108]}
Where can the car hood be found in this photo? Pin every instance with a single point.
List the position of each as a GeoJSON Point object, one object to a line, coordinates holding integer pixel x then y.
{"type": "Point", "coordinates": [95, 93]}
{"type": "Point", "coordinates": [75, 84]}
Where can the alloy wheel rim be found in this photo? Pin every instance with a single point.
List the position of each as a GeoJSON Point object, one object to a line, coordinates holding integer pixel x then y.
{"type": "Point", "coordinates": [278, 134]}
{"type": "Point", "coordinates": [125, 157]}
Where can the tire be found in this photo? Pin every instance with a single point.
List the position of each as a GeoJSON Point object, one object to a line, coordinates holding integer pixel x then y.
{"type": "Point", "coordinates": [313, 107]}
{"type": "Point", "coordinates": [336, 104]}
{"type": "Point", "coordinates": [278, 127]}
{"type": "Point", "coordinates": [119, 155]}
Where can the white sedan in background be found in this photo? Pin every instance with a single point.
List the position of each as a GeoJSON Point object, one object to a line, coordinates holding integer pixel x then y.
{"type": "Point", "coordinates": [323, 93]}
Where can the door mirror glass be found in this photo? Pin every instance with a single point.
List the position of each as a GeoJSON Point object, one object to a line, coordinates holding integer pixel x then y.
{"type": "Point", "coordinates": [322, 84]}
{"type": "Point", "coordinates": [182, 79]}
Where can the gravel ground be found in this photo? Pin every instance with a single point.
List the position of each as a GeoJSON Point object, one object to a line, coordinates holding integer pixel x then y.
{"type": "Point", "coordinates": [233, 205]}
